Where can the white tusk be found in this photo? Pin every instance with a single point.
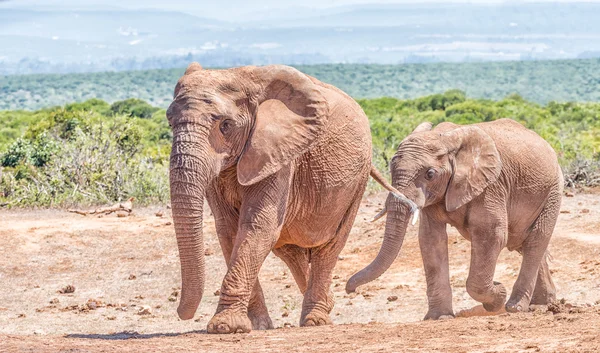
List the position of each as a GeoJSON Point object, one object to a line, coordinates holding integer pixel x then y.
{"type": "Point", "coordinates": [380, 214]}
{"type": "Point", "coordinates": [415, 217]}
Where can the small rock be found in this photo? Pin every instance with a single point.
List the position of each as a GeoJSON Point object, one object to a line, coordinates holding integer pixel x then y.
{"type": "Point", "coordinates": [67, 289]}
{"type": "Point", "coordinates": [585, 210]}
{"type": "Point", "coordinates": [173, 296]}
{"type": "Point", "coordinates": [209, 252]}
{"type": "Point", "coordinates": [340, 258]}
{"type": "Point", "coordinates": [568, 194]}
{"type": "Point", "coordinates": [111, 318]}
{"type": "Point", "coordinates": [54, 301]}
{"type": "Point", "coordinates": [21, 316]}
{"type": "Point", "coordinates": [122, 214]}
{"type": "Point", "coordinates": [39, 332]}
{"type": "Point", "coordinates": [392, 298]}
{"type": "Point", "coordinates": [168, 207]}
{"type": "Point", "coordinates": [144, 310]}
{"type": "Point", "coordinates": [288, 286]}
{"type": "Point", "coordinates": [168, 223]}
{"type": "Point", "coordinates": [287, 325]}
{"type": "Point", "coordinates": [565, 211]}
{"type": "Point", "coordinates": [131, 277]}
{"type": "Point", "coordinates": [217, 293]}
{"type": "Point", "coordinates": [159, 213]}
{"type": "Point", "coordinates": [285, 314]}
{"type": "Point", "coordinates": [336, 277]}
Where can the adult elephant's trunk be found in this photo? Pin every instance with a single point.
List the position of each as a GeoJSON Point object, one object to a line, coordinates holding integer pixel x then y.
{"type": "Point", "coordinates": [395, 228]}
{"type": "Point", "coordinates": [189, 176]}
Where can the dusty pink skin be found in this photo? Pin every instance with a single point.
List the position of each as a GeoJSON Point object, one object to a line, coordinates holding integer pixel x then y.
{"type": "Point", "coordinates": [500, 185]}
{"type": "Point", "coordinates": [283, 160]}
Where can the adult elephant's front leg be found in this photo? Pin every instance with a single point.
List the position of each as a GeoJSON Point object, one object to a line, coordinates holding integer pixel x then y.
{"type": "Point", "coordinates": [261, 216]}
{"type": "Point", "coordinates": [226, 220]}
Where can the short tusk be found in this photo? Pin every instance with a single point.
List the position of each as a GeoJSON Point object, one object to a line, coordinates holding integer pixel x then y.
{"type": "Point", "coordinates": [413, 206]}
{"type": "Point", "coordinates": [380, 214]}
{"type": "Point", "coordinates": [415, 216]}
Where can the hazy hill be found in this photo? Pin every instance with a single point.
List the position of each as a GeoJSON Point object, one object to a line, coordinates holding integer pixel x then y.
{"type": "Point", "coordinates": [538, 81]}
{"type": "Point", "coordinates": [57, 38]}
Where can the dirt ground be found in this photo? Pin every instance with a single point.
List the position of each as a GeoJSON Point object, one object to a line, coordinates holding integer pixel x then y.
{"type": "Point", "coordinates": [125, 276]}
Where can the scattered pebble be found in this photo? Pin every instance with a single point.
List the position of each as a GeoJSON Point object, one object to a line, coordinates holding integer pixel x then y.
{"type": "Point", "coordinates": [144, 310]}
{"type": "Point", "coordinates": [288, 286]}
{"type": "Point", "coordinates": [159, 213]}
{"type": "Point", "coordinates": [131, 277]}
{"type": "Point", "coordinates": [208, 252]}
{"type": "Point", "coordinates": [67, 289]}
{"type": "Point", "coordinates": [122, 214]}
{"type": "Point", "coordinates": [217, 293]}
{"type": "Point", "coordinates": [173, 296]}
{"type": "Point", "coordinates": [392, 298]}
{"type": "Point", "coordinates": [285, 314]}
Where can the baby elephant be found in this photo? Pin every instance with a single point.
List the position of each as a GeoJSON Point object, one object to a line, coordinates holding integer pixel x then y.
{"type": "Point", "coordinates": [500, 185]}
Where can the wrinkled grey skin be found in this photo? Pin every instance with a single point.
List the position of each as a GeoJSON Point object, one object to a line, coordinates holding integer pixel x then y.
{"type": "Point", "coordinates": [283, 160]}
{"type": "Point", "coordinates": [500, 185]}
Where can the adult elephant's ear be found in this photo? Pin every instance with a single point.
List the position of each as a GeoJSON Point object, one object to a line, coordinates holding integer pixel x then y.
{"type": "Point", "coordinates": [291, 114]}
{"type": "Point", "coordinates": [475, 161]}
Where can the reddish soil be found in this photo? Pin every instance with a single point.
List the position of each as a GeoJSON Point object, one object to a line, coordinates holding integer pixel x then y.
{"type": "Point", "coordinates": [125, 270]}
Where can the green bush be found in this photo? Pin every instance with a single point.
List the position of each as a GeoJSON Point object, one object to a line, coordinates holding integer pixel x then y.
{"type": "Point", "coordinates": [86, 153]}
{"type": "Point", "coordinates": [133, 107]}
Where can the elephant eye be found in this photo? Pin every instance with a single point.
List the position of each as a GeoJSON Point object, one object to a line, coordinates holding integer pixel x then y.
{"type": "Point", "coordinates": [430, 173]}
{"type": "Point", "coordinates": [226, 125]}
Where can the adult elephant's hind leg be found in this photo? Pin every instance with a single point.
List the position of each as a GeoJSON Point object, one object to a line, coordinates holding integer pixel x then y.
{"type": "Point", "coordinates": [297, 260]}
{"type": "Point", "coordinates": [534, 266]}
{"type": "Point", "coordinates": [318, 299]}
{"type": "Point", "coordinates": [257, 310]}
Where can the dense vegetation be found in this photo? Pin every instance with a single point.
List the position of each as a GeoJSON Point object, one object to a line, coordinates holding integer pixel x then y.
{"type": "Point", "coordinates": [94, 152]}
{"type": "Point", "coordinates": [84, 153]}
{"type": "Point", "coordinates": [537, 81]}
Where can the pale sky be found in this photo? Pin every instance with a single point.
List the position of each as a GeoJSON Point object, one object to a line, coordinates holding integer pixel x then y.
{"type": "Point", "coordinates": [227, 9]}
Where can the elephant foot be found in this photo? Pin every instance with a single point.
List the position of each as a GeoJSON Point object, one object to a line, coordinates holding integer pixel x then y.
{"type": "Point", "coordinates": [439, 315]}
{"type": "Point", "coordinates": [316, 318]}
{"type": "Point", "coordinates": [229, 321]}
{"type": "Point", "coordinates": [260, 322]}
{"type": "Point", "coordinates": [543, 297]}
{"type": "Point", "coordinates": [479, 310]}
{"type": "Point", "coordinates": [500, 298]}
{"type": "Point", "coordinates": [517, 306]}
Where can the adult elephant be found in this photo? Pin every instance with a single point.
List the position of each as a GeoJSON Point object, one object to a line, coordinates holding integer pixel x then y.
{"type": "Point", "coordinates": [500, 185]}
{"type": "Point", "coordinates": [283, 161]}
